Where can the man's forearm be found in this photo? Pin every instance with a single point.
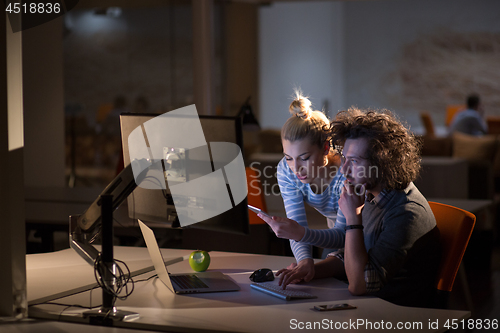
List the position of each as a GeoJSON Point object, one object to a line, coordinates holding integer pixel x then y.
{"type": "Point", "coordinates": [330, 267]}
{"type": "Point", "coordinates": [355, 259]}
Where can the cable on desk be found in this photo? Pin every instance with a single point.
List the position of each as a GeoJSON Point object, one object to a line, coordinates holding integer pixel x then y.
{"type": "Point", "coordinates": [63, 304]}
{"type": "Point", "coordinates": [118, 282]}
{"type": "Point", "coordinates": [67, 306]}
{"type": "Point", "coordinates": [149, 278]}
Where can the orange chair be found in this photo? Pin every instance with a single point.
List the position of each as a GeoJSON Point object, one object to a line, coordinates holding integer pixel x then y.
{"type": "Point", "coordinates": [493, 125]}
{"type": "Point", "coordinates": [455, 226]}
{"type": "Point", "coordinates": [451, 110]}
{"type": "Point", "coordinates": [428, 124]}
{"type": "Point", "coordinates": [256, 195]}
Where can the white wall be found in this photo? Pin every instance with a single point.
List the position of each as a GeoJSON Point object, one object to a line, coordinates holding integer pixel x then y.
{"type": "Point", "coordinates": [300, 45]}
{"type": "Point", "coordinates": [379, 73]}
{"type": "Point", "coordinates": [353, 53]}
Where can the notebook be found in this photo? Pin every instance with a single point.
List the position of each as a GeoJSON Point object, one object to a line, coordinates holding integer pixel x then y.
{"type": "Point", "coordinates": [203, 282]}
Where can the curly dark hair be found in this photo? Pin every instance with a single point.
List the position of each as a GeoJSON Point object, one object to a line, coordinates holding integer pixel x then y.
{"type": "Point", "coordinates": [394, 150]}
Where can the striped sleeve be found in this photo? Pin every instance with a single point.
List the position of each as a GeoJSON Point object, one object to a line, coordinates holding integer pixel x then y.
{"type": "Point", "coordinates": [333, 238]}
{"type": "Point", "coordinates": [293, 200]}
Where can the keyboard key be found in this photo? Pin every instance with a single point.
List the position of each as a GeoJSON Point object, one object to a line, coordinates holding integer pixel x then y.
{"type": "Point", "coordinates": [188, 281]}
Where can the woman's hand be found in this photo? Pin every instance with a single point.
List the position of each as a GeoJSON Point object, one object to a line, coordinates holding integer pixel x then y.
{"type": "Point", "coordinates": [284, 228]}
{"type": "Point", "coordinates": [303, 271]}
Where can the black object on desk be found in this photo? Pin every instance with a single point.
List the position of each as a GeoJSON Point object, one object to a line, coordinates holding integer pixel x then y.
{"type": "Point", "coordinates": [262, 275]}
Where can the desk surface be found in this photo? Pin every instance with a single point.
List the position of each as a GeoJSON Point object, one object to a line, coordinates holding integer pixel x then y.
{"type": "Point", "coordinates": [61, 273]}
{"type": "Point", "coordinates": [471, 205]}
{"type": "Point", "coordinates": [442, 160]}
{"type": "Point", "coordinates": [54, 205]}
{"type": "Point", "coordinates": [246, 310]}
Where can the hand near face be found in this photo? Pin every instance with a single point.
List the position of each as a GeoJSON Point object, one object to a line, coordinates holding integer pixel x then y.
{"type": "Point", "coordinates": [303, 271]}
{"type": "Point", "coordinates": [284, 228]}
{"type": "Point", "coordinates": [352, 199]}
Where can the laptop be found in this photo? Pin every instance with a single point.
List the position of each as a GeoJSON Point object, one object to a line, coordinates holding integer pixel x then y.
{"type": "Point", "coordinates": [203, 282]}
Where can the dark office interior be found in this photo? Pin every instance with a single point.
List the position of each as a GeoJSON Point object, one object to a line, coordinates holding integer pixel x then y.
{"type": "Point", "coordinates": [67, 81]}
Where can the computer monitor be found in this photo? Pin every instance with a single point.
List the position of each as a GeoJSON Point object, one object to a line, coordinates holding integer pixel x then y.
{"type": "Point", "coordinates": [157, 205]}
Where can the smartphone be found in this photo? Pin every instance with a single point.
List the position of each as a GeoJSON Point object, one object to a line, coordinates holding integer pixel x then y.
{"type": "Point", "coordinates": [334, 307]}
{"type": "Point", "coordinates": [258, 211]}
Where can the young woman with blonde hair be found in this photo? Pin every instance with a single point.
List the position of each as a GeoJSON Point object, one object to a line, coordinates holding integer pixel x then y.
{"type": "Point", "coordinates": [308, 173]}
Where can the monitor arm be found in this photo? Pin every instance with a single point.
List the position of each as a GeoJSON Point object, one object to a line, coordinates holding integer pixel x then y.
{"type": "Point", "coordinates": [98, 218]}
{"type": "Point", "coordinates": [86, 227]}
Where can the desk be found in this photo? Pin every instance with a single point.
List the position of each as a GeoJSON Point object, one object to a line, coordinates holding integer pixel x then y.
{"type": "Point", "coordinates": [246, 310]}
{"type": "Point", "coordinates": [443, 177]}
{"type": "Point", "coordinates": [471, 205]}
{"type": "Point", "coordinates": [48, 210]}
{"type": "Point", "coordinates": [474, 206]}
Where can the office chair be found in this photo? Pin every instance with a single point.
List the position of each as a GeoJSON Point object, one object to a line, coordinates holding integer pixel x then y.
{"type": "Point", "coordinates": [255, 196]}
{"type": "Point", "coordinates": [428, 124]}
{"type": "Point", "coordinates": [451, 111]}
{"type": "Point", "coordinates": [493, 125]}
{"type": "Point", "coordinates": [455, 226]}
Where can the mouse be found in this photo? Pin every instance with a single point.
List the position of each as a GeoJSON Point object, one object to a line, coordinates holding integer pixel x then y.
{"type": "Point", "coordinates": [262, 275]}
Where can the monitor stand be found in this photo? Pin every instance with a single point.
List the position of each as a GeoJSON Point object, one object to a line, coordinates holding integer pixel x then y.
{"type": "Point", "coordinates": [105, 316]}
{"type": "Point", "coordinates": [108, 312]}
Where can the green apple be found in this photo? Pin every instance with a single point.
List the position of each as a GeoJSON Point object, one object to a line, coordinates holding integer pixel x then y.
{"type": "Point", "coordinates": [199, 261]}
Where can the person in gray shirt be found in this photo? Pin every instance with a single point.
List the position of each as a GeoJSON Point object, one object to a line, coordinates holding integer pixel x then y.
{"type": "Point", "coordinates": [392, 242]}
{"type": "Point", "coordinates": [470, 121]}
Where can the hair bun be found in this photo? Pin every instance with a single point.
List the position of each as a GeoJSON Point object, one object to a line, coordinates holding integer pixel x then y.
{"type": "Point", "coordinates": [301, 106]}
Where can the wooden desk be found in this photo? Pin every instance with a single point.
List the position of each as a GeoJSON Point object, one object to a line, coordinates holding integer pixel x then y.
{"type": "Point", "coordinates": [37, 326]}
{"type": "Point", "coordinates": [471, 205]}
{"type": "Point", "coordinates": [61, 273]}
{"type": "Point", "coordinates": [48, 210]}
{"type": "Point", "coordinates": [443, 177]}
{"type": "Point", "coordinates": [479, 207]}
{"type": "Point", "coordinates": [246, 310]}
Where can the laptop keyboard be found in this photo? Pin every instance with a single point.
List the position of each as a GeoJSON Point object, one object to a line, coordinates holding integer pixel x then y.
{"type": "Point", "coordinates": [275, 290]}
{"type": "Point", "coordinates": [188, 281]}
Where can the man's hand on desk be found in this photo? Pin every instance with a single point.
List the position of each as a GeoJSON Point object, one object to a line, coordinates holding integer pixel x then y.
{"type": "Point", "coordinates": [303, 271]}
